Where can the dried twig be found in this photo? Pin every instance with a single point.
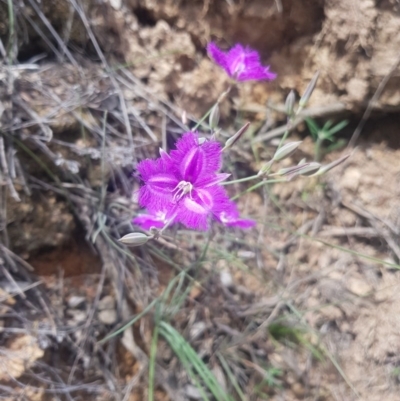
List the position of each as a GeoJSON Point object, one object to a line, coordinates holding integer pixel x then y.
{"type": "Point", "coordinates": [371, 103]}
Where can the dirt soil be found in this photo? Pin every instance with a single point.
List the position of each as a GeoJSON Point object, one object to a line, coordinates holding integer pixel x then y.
{"type": "Point", "coordinates": [303, 307]}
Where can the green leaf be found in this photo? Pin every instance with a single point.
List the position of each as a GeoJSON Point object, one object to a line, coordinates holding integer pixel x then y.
{"type": "Point", "coordinates": [312, 126]}
{"type": "Point", "coordinates": [193, 364]}
{"type": "Point", "coordinates": [327, 125]}
{"type": "Point", "coordinates": [338, 127]}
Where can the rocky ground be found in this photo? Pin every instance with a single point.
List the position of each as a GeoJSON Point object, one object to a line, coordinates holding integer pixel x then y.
{"type": "Point", "coordinates": [302, 307]}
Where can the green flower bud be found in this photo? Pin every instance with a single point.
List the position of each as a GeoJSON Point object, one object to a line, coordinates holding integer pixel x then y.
{"type": "Point", "coordinates": [289, 104]}
{"type": "Point", "coordinates": [134, 239]}
{"type": "Point", "coordinates": [309, 90]}
{"type": "Point", "coordinates": [301, 169]}
{"type": "Point", "coordinates": [312, 168]}
{"type": "Point", "coordinates": [231, 141]}
{"type": "Point", "coordinates": [214, 117]}
{"type": "Point", "coordinates": [286, 150]}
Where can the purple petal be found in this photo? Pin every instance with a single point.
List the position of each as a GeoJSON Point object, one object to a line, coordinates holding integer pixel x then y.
{"type": "Point", "coordinates": [196, 211]}
{"type": "Point", "coordinates": [146, 221]}
{"type": "Point", "coordinates": [213, 154]}
{"type": "Point", "coordinates": [210, 180]}
{"type": "Point", "coordinates": [192, 164]}
{"type": "Point", "coordinates": [218, 56]}
{"type": "Point", "coordinates": [193, 160]}
{"type": "Point", "coordinates": [226, 212]}
{"type": "Point", "coordinates": [157, 219]}
{"type": "Point", "coordinates": [230, 221]}
{"type": "Point", "coordinates": [159, 183]}
{"type": "Point", "coordinates": [258, 73]}
{"type": "Point", "coordinates": [193, 214]}
{"type": "Point", "coordinates": [236, 60]}
{"type": "Point", "coordinates": [241, 63]}
{"type": "Point", "coordinates": [148, 200]}
{"type": "Point", "coordinates": [148, 168]}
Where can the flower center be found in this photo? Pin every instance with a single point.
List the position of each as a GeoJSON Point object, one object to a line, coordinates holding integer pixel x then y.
{"type": "Point", "coordinates": [239, 66]}
{"type": "Point", "coordinates": [181, 190]}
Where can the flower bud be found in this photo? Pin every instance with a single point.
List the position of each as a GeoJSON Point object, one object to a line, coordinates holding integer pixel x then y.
{"type": "Point", "coordinates": [134, 239]}
{"type": "Point", "coordinates": [201, 140]}
{"type": "Point", "coordinates": [214, 117]}
{"type": "Point", "coordinates": [312, 168]}
{"type": "Point", "coordinates": [301, 169]}
{"type": "Point", "coordinates": [264, 169]}
{"type": "Point", "coordinates": [309, 90]}
{"type": "Point", "coordinates": [289, 104]}
{"type": "Point", "coordinates": [290, 170]}
{"type": "Point", "coordinates": [332, 165]}
{"type": "Point", "coordinates": [231, 141]}
{"type": "Point", "coordinates": [286, 150]}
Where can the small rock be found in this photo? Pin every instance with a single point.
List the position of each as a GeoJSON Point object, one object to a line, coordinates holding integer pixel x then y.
{"type": "Point", "coordinates": [358, 286]}
{"type": "Point", "coordinates": [108, 316]}
{"type": "Point", "coordinates": [246, 254]}
{"type": "Point", "coordinates": [298, 390]}
{"type": "Point", "coordinates": [107, 302]}
{"type": "Point", "coordinates": [357, 89]}
{"type": "Point", "coordinates": [197, 330]}
{"type": "Point", "coordinates": [75, 301]}
{"type": "Point", "coordinates": [116, 4]}
{"type": "Point", "coordinates": [219, 375]}
{"type": "Point", "coordinates": [193, 392]}
{"type": "Point", "coordinates": [351, 179]}
{"type": "Point", "coordinates": [196, 290]}
{"type": "Point", "coordinates": [78, 316]}
{"type": "Point", "coordinates": [331, 312]}
{"type": "Point", "coordinates": [226, 278]}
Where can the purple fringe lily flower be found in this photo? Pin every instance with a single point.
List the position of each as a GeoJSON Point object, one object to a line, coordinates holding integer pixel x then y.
{"type": "Point", "coordinates": [183, 187]}
{"type": "Point", "coordinates": [240, 63]}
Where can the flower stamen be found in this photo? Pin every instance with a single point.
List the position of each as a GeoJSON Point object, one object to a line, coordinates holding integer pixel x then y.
{"type": "Point", "coordinates": [181, 190]}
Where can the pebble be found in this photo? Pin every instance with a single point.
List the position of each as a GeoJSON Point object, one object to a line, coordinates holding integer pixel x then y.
{"type": "Point", "coordinates": [226, 278]}
{"type": "Point", "coordinates": [351, 179]}
{"type": "Point", "coordinates": [75, 301]}
{"type": "Point", "coordinates": [107, 302]}
{"type": "Point", "coordinates": [116, 4]}
{"type": "Point", "coordinates": [358, 286]}
{"type": "Point", "coordinates": [108, 316]}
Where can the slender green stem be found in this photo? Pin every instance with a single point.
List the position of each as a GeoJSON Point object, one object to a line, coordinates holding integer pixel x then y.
{"type": "Point", "coordinates": [202, 119]}
{"type": "Point", "coordinates": [167, 224]}
{"type": "Point", "coordinates": [221, 97]}
{"type": "Point", "coordinates": [231, 377]}
{"type": "Point", "coordinates": [289, 125]}
{"type": "Point", "coordinates": [318, 148]}
{"type": "Point", "coordinates": [153, 353]}
{"type": "Point", "coordinates": [11, 32]}
{"type": "Point", "coordinates": [283, 139]}
{"type": "Point", "coordinates": [132, 321]}
{"type": "Point", "coordinates": [258, 185]}
{"type": "Point", "coordinates": [253, 177]}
